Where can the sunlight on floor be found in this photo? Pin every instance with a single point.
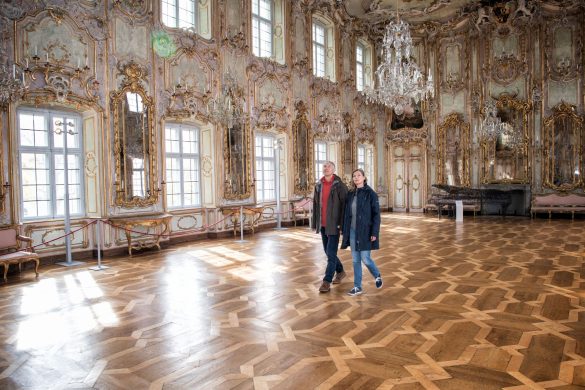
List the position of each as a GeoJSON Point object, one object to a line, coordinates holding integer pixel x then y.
{"type": "Point", "coordinates": [43, 304]}
{"type": "Point", "coordinates": [210, 258]}
{"type": "Point", "coordinates": [230, 253]}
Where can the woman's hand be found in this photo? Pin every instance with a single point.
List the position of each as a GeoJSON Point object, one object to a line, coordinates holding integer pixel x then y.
{"type": "Point", "coordinates": [373, 238]}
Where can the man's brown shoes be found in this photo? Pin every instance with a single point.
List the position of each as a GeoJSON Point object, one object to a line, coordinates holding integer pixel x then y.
{"type": "Point", "coordinates": [339, 277]}
{"type": "Point", "coordinates": [325, 287]}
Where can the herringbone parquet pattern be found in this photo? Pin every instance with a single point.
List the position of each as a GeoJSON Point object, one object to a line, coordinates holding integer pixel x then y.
{"type": "Point", "coordinates": [491, 303]}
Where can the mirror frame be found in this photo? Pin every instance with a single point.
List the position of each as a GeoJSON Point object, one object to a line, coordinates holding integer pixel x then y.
{"type": "Point", "coordinates": [301, 118]}
{"type": "Point", "coordinates": [454, 120]}
{"type": "Point", "coordinates": [348, 160]}
{"type": "Point", "coordinates": [3, 186]}
{"type": "Point", "coordinates": [562, 111]}
{"type": "Point", "coordinates": [489, 147]}
{"type": "Point", "coordinates": [133, 73]}
{"type": "Point", "coordinates": [229, 193]}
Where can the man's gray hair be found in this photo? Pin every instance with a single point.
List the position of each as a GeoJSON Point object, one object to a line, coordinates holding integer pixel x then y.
{"type": "Point", "coordinates": [330, 162]}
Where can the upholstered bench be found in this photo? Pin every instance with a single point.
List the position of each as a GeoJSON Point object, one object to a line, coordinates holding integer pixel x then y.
{"type": "Point", "coordinates": [557, 203]}
{"type": "Point", "coordinates": [12, 254]}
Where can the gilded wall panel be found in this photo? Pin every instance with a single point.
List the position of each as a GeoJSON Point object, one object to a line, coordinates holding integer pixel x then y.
{"type": "Point", "coordinates": [452, 102]}
{"type": "Point", "coordinates": [559, 91]}
{"type": "Point", "coordinates": [59, 41]}
{"type": "Point", "coordinates": [131, 40]}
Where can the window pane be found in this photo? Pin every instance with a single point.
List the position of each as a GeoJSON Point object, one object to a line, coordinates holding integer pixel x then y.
{"type": "Point", "coordinates": [169, 12]}
{"type": "Point", "coordinates": [265, 11]}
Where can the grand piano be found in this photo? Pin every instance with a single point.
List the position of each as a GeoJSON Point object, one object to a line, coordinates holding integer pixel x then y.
{"type": "Point", "coordinates": [489, 199]}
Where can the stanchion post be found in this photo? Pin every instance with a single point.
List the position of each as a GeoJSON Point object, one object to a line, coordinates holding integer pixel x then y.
{"type": "Point", "coordinates": [277, 148]}
{"type": "Point", "coordinates": [241, 224]}
{"type": "Point", "coordinates": [65, 131]}
{"type": "Point", "coordinates": [98, 238]}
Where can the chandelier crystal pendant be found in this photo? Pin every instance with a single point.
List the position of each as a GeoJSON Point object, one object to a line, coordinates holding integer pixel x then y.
{"type": "Point", "coordinates": [400, 81]}
{"type": "Point", "coordinates": [12, 87]}
{"type": "Point", "coordinates": [227, 108]}
{"type": "Point", "coordinates": [492, 125]}
{"type": "Point", "coordinates": [328, 126]}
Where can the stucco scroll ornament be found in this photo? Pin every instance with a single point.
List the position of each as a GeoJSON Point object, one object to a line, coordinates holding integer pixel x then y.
{"type": "Point", "coordinates": [365, 133]}
{"type": "Point", "coordinates": [133, 73]}
{"type": "Point", "coordinates": [407, 136]}
{"type": "Point", "coordinates": [301, 65]}
{"type": "Point", "coordinates": [322, 86]}
{"type": "Point", "coordinates": [507, 68]}
{"type": "Point", "coordinates": [11, 11]}
{"type": "Point", "coordinates": [191, 43]}
{"type": "Point", "coordinates": [185, 102]}
{"type": "Point", "coordinates": [268, 116]}
{"type": "Point", "coordinates": [60, 86]}
{"type": "Point", "coordinates": [136, 10]}
{"type": "Point", "coordinates": [235, 39]}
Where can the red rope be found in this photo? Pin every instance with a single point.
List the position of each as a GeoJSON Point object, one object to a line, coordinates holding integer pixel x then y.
{"type": "Point", "coordinates": [200, 229]}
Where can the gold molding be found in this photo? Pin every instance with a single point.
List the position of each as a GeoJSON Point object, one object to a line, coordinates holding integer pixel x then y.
{"type": "Point", "coordinates": [301, 119]}
{"type": "Point", "coordinates": [565, 113]}
{"type": "Point", "coordinates": [488, 148]}
{"type": "Point", "coordinates": [133, 74]}
{"type": "Point", "coordinates": [454, 122]}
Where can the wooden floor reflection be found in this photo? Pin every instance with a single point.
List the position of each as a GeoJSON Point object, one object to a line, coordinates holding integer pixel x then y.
{"type": "Point", "coordinates": [487, 304]}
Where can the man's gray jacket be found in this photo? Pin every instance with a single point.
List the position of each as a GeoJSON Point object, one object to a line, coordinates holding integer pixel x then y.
{"type": "Point", "coordinates": [335, 206]}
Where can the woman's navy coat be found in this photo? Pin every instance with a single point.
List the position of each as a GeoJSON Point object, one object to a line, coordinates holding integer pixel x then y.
{"type": "Point", "coordinates": [368, 219]}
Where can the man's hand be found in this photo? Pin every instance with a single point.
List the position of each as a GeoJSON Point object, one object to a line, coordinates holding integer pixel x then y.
{"type": "Point", "coordinates": [373, 238]}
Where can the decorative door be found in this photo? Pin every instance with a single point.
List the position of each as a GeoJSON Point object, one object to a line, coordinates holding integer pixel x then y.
{"type": "Point", "coordinates": [407, 177]}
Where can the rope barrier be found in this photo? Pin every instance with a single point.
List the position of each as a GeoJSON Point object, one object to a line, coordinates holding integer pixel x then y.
{"type": "Point", "coordinates": [199, 229]}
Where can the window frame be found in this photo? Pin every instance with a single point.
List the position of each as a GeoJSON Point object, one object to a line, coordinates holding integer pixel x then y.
{"type": "Point", "coordinates": [368, 161]}
{"type": "Point", "coordinates": [317, 23]}
{"type": "Point", "coordinates": [270, 23]}
{"type": "Point", "coordinates": [178, 13]}
{"type": "Point", "coordinates": [262, 159]}
{"type": "Point", "coordinates": [360, 75]}
{"type": "Point", "coordinates": [180, 156]}
{"type": "Point", "coordinates": [319, 163]}
{"type": "Point", "coordinates": [51, 151]}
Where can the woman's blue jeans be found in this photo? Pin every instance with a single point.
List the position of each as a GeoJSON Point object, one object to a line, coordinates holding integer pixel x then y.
{"type": "Point", "coordinates": [358, 258]}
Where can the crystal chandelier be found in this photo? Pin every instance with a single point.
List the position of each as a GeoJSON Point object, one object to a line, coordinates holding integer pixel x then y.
{"type": "Point", "coordinates": [400, 80]}
{"type": "Point", "coordinates": [228, 107]}
{"type": "Point", "coordinates": [328, 126]}
{"type": "Point", "coordinates": [12, 87]}
{"type": "Point", "coordinates": [492, 125]}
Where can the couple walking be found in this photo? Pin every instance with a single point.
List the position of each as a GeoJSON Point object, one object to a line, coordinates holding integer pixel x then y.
{"type": "Point", "coordinates": [356, 215]}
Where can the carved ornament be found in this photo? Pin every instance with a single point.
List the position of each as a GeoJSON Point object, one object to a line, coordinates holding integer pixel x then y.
{"type": "Point", "coordinates": [322, 86]}
{"type": "Point", "coordinates": [407, 136]}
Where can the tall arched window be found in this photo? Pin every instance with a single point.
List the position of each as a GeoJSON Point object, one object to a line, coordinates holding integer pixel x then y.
{"type": "Point", "coordinates": [323, 34]}
{"type": "Point", "coordinates": [363, 64]}
{"type": "Point", "coordinates": [187, 14]}
{"type": "Point", "coordinates": [41, 151]}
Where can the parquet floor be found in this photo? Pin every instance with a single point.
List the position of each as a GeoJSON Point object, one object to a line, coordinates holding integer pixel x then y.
{"type": "Point", "coordinates": [487, 304]}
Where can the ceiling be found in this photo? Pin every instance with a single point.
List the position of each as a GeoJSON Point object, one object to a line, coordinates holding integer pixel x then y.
{"type": "Point", "coordinates": [377, 11]}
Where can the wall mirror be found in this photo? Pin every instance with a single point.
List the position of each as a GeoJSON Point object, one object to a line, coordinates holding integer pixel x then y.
{"type": "Point", "coordinates": [505, 158]}
{"type": "Point", "coordinates": [303, 151]}
{"type": "Point", "coordinates": [237, 145]}
{"type": "Point", "coordinates": [348, 148]}
{"type": "Point", "coordinates": [134, 141]}
{"type": "Point", "coordinates": [563, 146]}
{"type": "Point", "coordinates": [453, 147]}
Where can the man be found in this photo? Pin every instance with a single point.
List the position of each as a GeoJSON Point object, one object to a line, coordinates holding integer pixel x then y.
{"type": "Point", "coordinates": [328, 208]}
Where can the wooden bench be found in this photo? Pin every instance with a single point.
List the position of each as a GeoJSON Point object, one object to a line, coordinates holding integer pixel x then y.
{"type": "Point", "coordinates": [557, 203]}
{"type": "Point", "coordinates": [302, 209]}
{"type": "Point", "coordinates": [10, 246]}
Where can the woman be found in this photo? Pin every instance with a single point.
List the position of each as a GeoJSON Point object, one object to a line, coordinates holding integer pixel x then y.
{"type": "Point", "coordinates": [361, 229]}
